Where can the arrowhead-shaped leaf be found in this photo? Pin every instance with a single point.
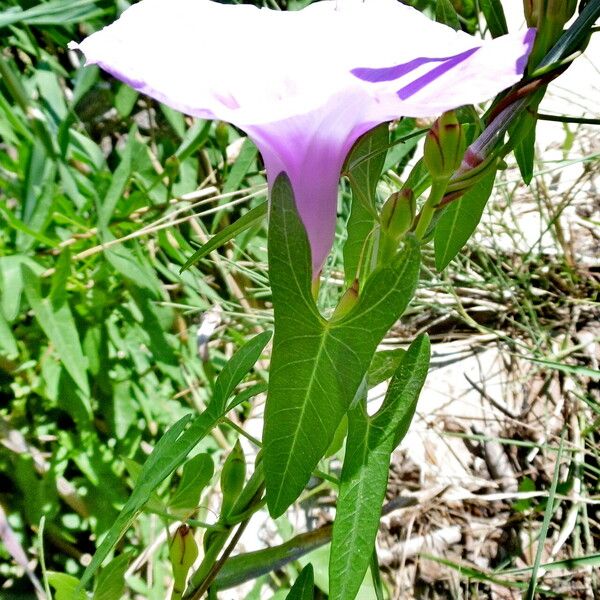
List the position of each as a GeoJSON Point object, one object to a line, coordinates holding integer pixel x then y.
{"type": "Point", "coordinates": [371, 441]}
{"type": "Point", "coordinates": [317, 365]}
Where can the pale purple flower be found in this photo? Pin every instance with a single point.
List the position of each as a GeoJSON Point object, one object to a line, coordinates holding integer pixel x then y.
{"type": "Point", "coordinates": [304, 85]}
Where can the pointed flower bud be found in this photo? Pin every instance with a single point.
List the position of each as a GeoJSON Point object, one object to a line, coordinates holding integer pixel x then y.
{"type": "Point", "coordinates": [222, 135]}
{"type": "Point", "coordinates": [531, 9]}
{"type": "Point", "coordinates": [183, 552]}
{"type": "Point", "coordinates": [233, 476]}
{"type": "Point", "coordinates": [398, 213]}
{"type": "Point", "coordinates": [445, 146]}
{"type": "Point", "coordinates": [347, 301]}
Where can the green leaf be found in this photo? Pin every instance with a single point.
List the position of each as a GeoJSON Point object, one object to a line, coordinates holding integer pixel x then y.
{"type": "Point", "coordinates": [125, 100]}
{"type": "Point", "coordinates": [494, 17]}
{"type": "Point", "coordinates": [118, 182]}
{"type": "Point", "coordinates": [359, 243]}
{"type": "Point", "coordinates": [55, 12]}
{"type": "Point", "coordinates": [164, 459]}
{"type": "Point", "coordinates": [446, 13]}
{"type": "Point", "coordinates": [11, 283]}
{"type": "Point", "coordinates": [383, 366]}
{"type": "Point", "coordinates": [57, 322]}
{"type": "Point", "coordinates": [8, 344]}
{"type": "Point", "coordinates": [459, 221]}
{"type": "Point", "coordinates": [197, 473]}
{"type": "Point", "coordinates": [317, 365]}
{"type": "Point", "coordinates": [303, 588]}
{"type": "Point", "coordinates": [65, 586]}
{"type": "Point", "coordinates": [525, 151]}
{"type": "Point", "coordinates": [170, 452]}
{"type": "Point", "coordinates": [250, 565]}
{"type": "Point", "coordinates": [111, 581]}
{"type": "Point", "coordinates": [578, 370]}
{"type": "Point", "coordinates": [237, 368]}
{"type": "Point", "coordinates": [364, 164]}
{"type": "Point", "coordinates": [371, 441]}
{"type": "Point", "coordinates": [249, 219]}
{"type": "Point", "coordinates": [241, 166]}
{"type": "Point", "coordinates": [195, 137]}
{"type": "Point", "coordinates": [130, 266]}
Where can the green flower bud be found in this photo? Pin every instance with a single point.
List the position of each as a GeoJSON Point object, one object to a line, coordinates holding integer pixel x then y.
{"type": "Point", "coordinates": [172, 167]}
{"type": "Point", "coordinates": [233, 476]}
{"type": "Point", "coordinates": [398, 213]}
{"type": "Point", "coordinates": [549, 17]}
{"type": "Point", "coordinates": [222, 135]}
{"type": "Point", "coordinates": [445, 146]}
{"type": "Point", "coordinates": [347, 301]}
{"type": "Point", "coordinates": [560, 11]}
{"type": "Point", "coordinates": [183, 551]}
{"type": "Point", "coordinates": [531, 9]}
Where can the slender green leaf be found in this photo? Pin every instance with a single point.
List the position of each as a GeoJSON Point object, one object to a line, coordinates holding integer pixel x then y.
{"type": "Point", "coordinates": [131, 267]}
{"type": "Point", "coordinates": [65, 586]}
{"type": "Point", "coordinates": [157, 467]}
{"type": "Point", "coordinates": [365, 163]}
{"type": "Point", "coordinates": [197, 473]}
{"type": "Point", "coordinates": [568, 369]}
{"type": "Point", "coordinates": [303, 588]}
{"type": "Point", "coordinates": [57, 322]}
{"type": "Point", "coordinates": [317, 365]}
{"type": "Point", "coordinates": [241, 166]}
{"type": "Point", "coordinates": [111, 581]}
{"type": "Point", "coordinates": [55, 12]}
{"type": "Point", "coordinates": [8, 344]}
{"type": "Point", "coordinates": [525, 151]}
{"type": "Point", "coordinates": [570, 564]}
{"type": "Point", "coordinates": [247, 220]}
{"type": "Point", "coordinates": [550, 507]}
{"type": "Point", "coordinates": [371, 441]}
{"type": "Point", "coordinates": [170, 452]}
{"type": "Point", "coordinates": [459, 221]}
{"type": "Point", "coordinates": [250, 565]}
{"type": "Point", "coordinates": [494, 17]}
{"type": "Point", "coordinates": [118, 183]}
{"type": "Point", "coordinates": [237, 368]}
{"type": "Point", "coordinates": [195, 137]}
{"type": "Point", "coordinates": [446, 13]}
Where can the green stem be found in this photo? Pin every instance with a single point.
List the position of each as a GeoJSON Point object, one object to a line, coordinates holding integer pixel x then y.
{"type": "Point", "coordinates": [249, 501]}
{"type": "Point", "coordinates": [568, 119]}
{"type": "Point", "coordinates": [438, 189]}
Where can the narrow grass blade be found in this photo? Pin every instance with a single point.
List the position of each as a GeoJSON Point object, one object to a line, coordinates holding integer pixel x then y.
{"type": "Point", "coordinates": [247, 220]}
{"type": "Point", "coordinates": [531, 589]}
